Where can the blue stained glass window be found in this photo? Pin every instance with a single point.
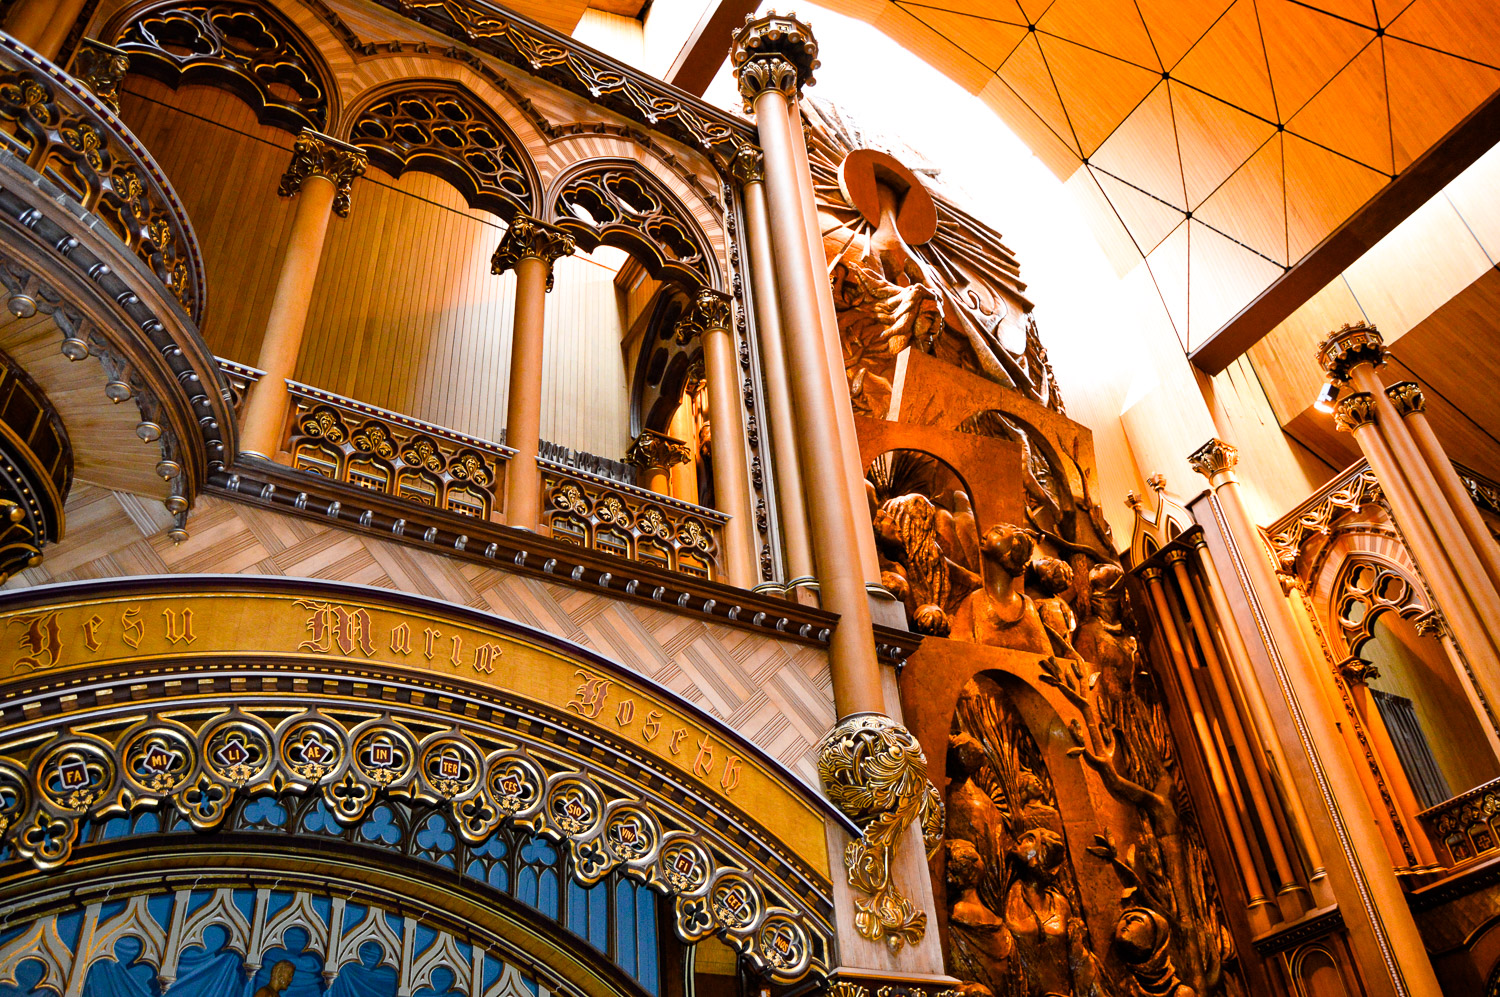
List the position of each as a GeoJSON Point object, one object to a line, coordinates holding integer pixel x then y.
{"type": "Point", "coordinates": [645, 938]}
{"type": "Point", "coordinates": [625, 925]}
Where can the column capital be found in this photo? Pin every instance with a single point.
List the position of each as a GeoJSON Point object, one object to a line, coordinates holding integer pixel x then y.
{"type": "Point", "coordinates": [317, 155]}
{"type": "Point", "coordinates": [1215, 459]}
{"type": "Point", "coordinates": [101, 68]}
{"type": "Point", "coordinates": [773, 52]}
{"type": "Point", "coordinates": [711, 310]}
{"type": "Point", "coordinates": [748, 165]}
{"type": "Point", "coordinates": [530, 239]}
{"type": "Point", "coordinates": [1354, 411]}
{"type": "Point", "coordinates": [1356, 670]}
{"type": "Point", "coordinates": [1175, 556]}
{"type": "Point", "coordinates": [1407, 397]}
{"type": "Point", "coordinates": [1353, 344]}
{"type": "Point", "coordinates": [653, 449]}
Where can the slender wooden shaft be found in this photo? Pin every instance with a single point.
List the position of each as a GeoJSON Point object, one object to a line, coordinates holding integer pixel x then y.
{"type": "Point", "coordinates": [266, 409]}
{"type": "Point", "coordinates": [58, 27]}
{"type": "Point", "coordinates": [43, 25]}
{"type": "Point", "coordinates": [855, 671]}
{"type": "Point", "coordinates": [731, 480]}
{"type": "Point", "coordinates": [792, 512]}
{"type": "Point", "coordinates": [1452, 486]}
{"type": "Point", "coordinates": [523, 408]}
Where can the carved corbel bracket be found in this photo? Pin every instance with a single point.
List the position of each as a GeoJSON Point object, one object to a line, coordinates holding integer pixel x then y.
{"type": "Point", "coordinates": [873, 770]}
{"type": "Point", "coordinates": [101, 68]}
{"type": "Point", "coordinates": [653, 449]}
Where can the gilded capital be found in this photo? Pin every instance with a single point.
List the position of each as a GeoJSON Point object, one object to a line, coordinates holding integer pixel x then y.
{"type": "Point", "coordinates": [101, 67]}
{"type": "Point", "coordinates": [1214, 458]}
{"type": "Point", "coordinates": [711, 310]}
{"type": "Point", "coordinates": [748, 165]}
{"type": "Point", "coordinates": [1407, 397]}
{"type": "Point", "coordinates": [1350, 346]}
{"type": "Point", "coordinates": [529, 239]}
{"type": "Point", "coordinates": [317, 155]}
{"type": "Point", "coordinates": [653, 449]}
{"type": "Point", "coordinates": [773, 52]}
{"type": "Point", "coordinates": [1354, 411]}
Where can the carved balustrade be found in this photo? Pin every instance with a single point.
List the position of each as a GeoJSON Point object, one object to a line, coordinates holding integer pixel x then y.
{"type": "Point", "coordinates": [633, 523]}
{"type": "Point", "coordinates": [1468, 825]}
{"type": "Point", "coordinates": [71, 137]}
{"type": "Point", "coordinates": [393, 454]}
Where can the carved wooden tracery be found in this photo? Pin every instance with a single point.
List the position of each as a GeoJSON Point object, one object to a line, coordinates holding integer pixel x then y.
{"type": "Point", "coordinates": [246, 48]}
{"type": "Point", "coordinates": [616, 202]}
{"type": "Point", "coordinates": [447, 131]}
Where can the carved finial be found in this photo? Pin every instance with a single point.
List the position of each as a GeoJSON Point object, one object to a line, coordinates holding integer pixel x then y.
{"type": "Point", "coordinates": [1354, 411]}
{"type": "Point", "coordinates": [773, 52]}
{"type": "Point", "coordinates": [711, 310]}
{"type": "Point", "coordinates": [317, 155]}
{"type": "Point", "coordinates": [1133, 501]}
{"type": "Point", "coordinates": [1407, 396]}
{"type": "Point", "coordinates": [101, 67]}
{"type": "Point", "coordinates": [1214, 458]}
{"type": "Point", "coordinates": [530, 239]}
{"type": "Point", "coordinates": [1157, 482]}
{"type": "Point", "coordinates": [1353, 344]}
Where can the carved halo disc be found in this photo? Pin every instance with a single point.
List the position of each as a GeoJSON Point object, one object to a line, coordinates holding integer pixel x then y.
{"type": "Point", "coordinates": [860, 175]}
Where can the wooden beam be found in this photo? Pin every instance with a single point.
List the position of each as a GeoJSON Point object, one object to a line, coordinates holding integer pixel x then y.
{"type": "Point", "coordinates": [707, 46]}
{"type": "Point", "coordinates": [1424, 178]}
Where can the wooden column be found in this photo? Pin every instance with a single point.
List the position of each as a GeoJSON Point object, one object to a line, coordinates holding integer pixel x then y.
{"type": "Point", "coordinates": [712, 321]}
{"type": "Point", "coordinates": [749, 169]}
{"type": "Point", "coordinates": [323, 170]}
{"type": "Point", "coordinates": [43, 25]}
{"type": "Point", "coordinates": [769, 81]}
{"type": "Point", "coordinates": [1382, 931]}
{"type": "Point", "coordinates": [530, 248]}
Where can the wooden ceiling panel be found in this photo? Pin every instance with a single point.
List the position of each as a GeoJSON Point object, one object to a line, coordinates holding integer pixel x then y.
{"type": "Point", "coordinates": [1143, 150]}
{"type": "Point", "coordinates": [1322, 189]}
{"type": "Point", "coordinates": [1176, 25]}
{"type": "Point", "coordinates": [1358, 11]}
{"type": "Point", "coordinates": [1349, 115]}
{"type": "Point", "coordinates": [1098, 90]}
{"type": "Point", "coordinates": [1147, 218]}
{"type": "Point", "coordinates": [1224, 273]}
{"type": "Point", "coordinates": [1104, 222]}
{"type": "Point", "coordinates": [1215, 139]}
{"type": "Point", "coordinates": [1230, 63]}
{"type": "Point", "coordinates": [1305, 48]}
{"type": "Point", "coordinates": [1111, 26]}
{"type": "Point", "coordinates": [1168, 263]}
{"type": "Point", "coordinates": [1463, 29]}
{"type": "Point", "coordinates": [1238, 207]}
{"type": "Point", "coordinates": [987, 40]}
{"type": "Point", "coordinates": [1027, 73]}
{"type": "Point", "coordinates": [1430, 93]}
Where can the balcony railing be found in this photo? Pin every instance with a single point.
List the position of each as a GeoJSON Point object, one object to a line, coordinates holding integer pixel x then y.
{"type": "Point", "coordinates": [604, 515]}
{"type": "Point", "coordinates": [72, 139]}
{"type": "Point", "coordinates": [393, 454]}
{"type": "Point", "coordinates": [1468, 825]}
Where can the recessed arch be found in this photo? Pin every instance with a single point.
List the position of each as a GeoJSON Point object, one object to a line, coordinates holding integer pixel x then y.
{"type": "Point", "coordinates": [250, 49]}
{"type": "Point", "coordinates": [443, 128]}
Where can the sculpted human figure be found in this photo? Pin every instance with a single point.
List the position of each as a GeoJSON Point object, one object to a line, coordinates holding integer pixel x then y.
{"type": "Point", "coordinates": [1054, 577]}
{"type": "Point", "coordinates": [281, 978]}
{"type": "Point", "coordinates": [1048, 937]}
{"type": "Point", "coordinates": [972, 814]}
{"type": "Point", "coordinates": [908, 526]}
{"type": "Point", "coordinates": [1104, 641]}
{"type": "Point", "coordinates": [1141, 940]}
{"type": "Point", "coordinates": [981, 947]}
{"type": "Point", "coordinates": [1000, 613]}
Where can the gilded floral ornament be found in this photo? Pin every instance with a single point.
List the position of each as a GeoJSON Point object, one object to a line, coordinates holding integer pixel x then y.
{"type": "Point", "coordinates": [874, 770]}
{"type": "Point", "coordinates": [1407, 397]}
{"type": "Point", "coordinates": [529, 239]}
{"type": "Point", "coordinates": [1214, 458]}
{"type": "Point", "coordinates": [1354, 412]}
{"type": "Point", "coordinates": [711, 311]}
{"type": "Point", "coordinates": [101, 68]}
{"type": "Point", "coordinates": [1350, 346]}
{"type": "Point", "coordinates": [317, 155]}
{"type": "Point", "coordinates": [748, 166]}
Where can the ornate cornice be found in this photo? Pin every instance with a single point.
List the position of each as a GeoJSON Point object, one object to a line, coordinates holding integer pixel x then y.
{"type": "Point", "coordinates": [1354, 412]}
{"type": "Point", "coordinates": [530, 239]}
{"type": "Point", "coordinates": [748, 166]}
{"type": "Point", "coordinates": [1350, 346]}
{"type": "Point", "coordinates": [711, 310]}
{"type": "Point", "coordinates": [101, 67]}
{"type": "Point", "coordinates": [773, 52]}
{"type": "Point", "coordinates": [319, 155]}
{"type": "Point", "coordinates": [1407, 397]}
{"type": "Point", "coordinates": [653, 449]}
{"type": "Point", "coordinates": [1214, 458]}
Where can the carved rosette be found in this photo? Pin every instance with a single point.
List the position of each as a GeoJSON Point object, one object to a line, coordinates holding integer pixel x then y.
{"type": "Point", "coordinates": [1214, 459]}
{"type": "Point", "coordinates": [1407, 397]}
{"type": "Point", "coordinates": [711, 310]}
{"type": "Point", "coordinates": [319, 155]}
{"type": "Point", "coordinates": [101, 67]}
{"type": "Point", "coordinates": [653, 449]}
{"type": "Point", "coordinates": [773, 52]}
{"type": "Point", "coordinates": [1349, 347]}
{"type": "Point", "coordinates": [874, 770]}
{"type": "Point", "coordinates": [530, 239]}
{"type": "Point", "coordinates": [1354, 412]}
{"type": "Point", "coordinates": [748, 166]}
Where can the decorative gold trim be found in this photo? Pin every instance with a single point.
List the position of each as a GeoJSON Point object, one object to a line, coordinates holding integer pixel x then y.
{"type": "Point", "coordinates": [528, 238]}
{"type": "Point", "coordinates": [711, 310]}
{"type": "Point", "coordinates": [748, 166]}
{"type": "Point", "coordinates": [1354, 411]}
{"type": "Point", "coordinates": [317, 155]}
{"type": "Point", "coordinates": [773, 52]}
{"type": "Point", "coordinates": [1407, 397]}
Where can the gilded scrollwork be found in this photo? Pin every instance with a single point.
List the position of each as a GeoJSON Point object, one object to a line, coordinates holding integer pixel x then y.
{"type": "Point", "coordinates": [874, 770]}
{"type": "Point", "coordinates": [530, 239]}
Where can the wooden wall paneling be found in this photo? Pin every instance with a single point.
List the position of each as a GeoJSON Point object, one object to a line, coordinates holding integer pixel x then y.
{"type": "Point", "coordinates": [586, 402]}
{"type": "Point", "coordinates": [226, 168]}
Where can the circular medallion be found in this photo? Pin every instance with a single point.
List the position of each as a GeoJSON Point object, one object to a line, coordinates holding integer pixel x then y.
{"type": "Point", "coordinates": [237, 750]}
{"type": "Point", "coordinates": [158, 759]}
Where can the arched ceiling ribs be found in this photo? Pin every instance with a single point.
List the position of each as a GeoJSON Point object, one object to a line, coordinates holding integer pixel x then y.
{"type": "Point", "coordinates": [246, 48]}
{"type": "Point", "coordinates": [445, 130]}
{"type": "Point", "coordinates": [616, 202]}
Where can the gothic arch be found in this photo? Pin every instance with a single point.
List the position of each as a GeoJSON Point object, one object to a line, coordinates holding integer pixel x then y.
{"type": "Point", "coordinates": [663, 367]}
{"type": "Point", "coordinates": [443, 128]}
{"type": "Point", "coordinates": [617, 202]}
{"type": "Point", "coordinates": [248, 48]}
